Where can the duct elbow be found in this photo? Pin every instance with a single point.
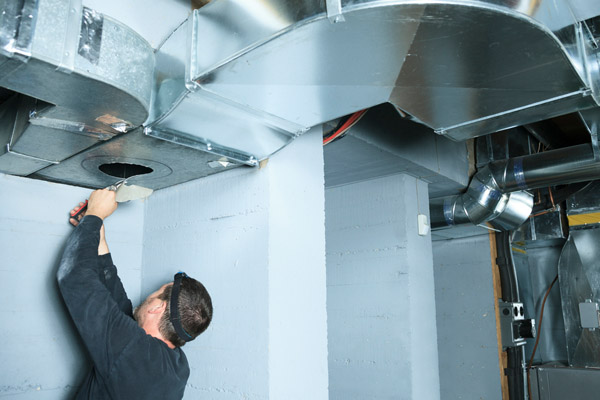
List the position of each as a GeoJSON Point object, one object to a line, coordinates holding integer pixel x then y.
{"type": "Point", "coordinates": [516, 211]}
{"type": "Point", "coordinates": [483, 202]}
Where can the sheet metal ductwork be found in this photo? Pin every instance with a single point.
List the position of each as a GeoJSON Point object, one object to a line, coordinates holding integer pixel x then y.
{"type": "Point", "coordinates": [240, 79]}
{"type": "Point", "coordinates": [497, 193]}
{"type": "Point", "coordinates": [86, 78]}
{"type": "Point", "coordinates": [579, 278]}
{"type": "Point", "coordinates": [279, 67]}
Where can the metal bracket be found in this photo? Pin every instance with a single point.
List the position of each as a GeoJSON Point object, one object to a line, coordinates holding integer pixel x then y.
{"type": "Point", "coordinates": [201, 144]}
{"type": "Point", "coordinates": [79, 128]}
{"type": "Point", "coordinates": [334, 11]}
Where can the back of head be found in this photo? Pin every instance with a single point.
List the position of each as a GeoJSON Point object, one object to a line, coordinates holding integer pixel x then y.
{"type": "Point", "coordinates": [195, 310]}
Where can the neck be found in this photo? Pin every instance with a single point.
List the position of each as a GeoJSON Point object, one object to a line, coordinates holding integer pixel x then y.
{"type": "Point", "coordinates": [155, 333]}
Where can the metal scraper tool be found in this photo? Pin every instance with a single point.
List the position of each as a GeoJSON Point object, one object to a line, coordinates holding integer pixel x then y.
{"type": "Point", "coordinates": [123, 193]}
{"type": "Point", "coordinates": [131, 192]}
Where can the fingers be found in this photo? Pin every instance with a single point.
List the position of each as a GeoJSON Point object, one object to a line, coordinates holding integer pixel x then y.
{"type": "Point", "coordinates": [77, 213]}
{"type": "Point", "coordinates": [74, 210]}
{"type": "Point", "coordinates": [102, 203]}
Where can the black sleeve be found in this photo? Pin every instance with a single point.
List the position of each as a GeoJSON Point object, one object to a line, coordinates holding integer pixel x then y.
{"type": "Point", "coordinates": [110, 278]}
{"type": "Point", "coordinates": [103, 326]}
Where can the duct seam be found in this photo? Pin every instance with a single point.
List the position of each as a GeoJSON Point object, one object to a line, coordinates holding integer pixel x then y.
{"type": "Point", "coordinates": [519, 174]}
{"type": "Point", "coordinates": [10, 151]}
{"type": "Point", "coordinates": [16, 29]}
{"type": "Point", "coordinates": [67, 61]}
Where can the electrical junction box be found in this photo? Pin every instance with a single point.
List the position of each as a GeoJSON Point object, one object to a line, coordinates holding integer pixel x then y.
{"type": "Point", "coordinates": [588, 314]}
{"type": "Point", "coordinates": [514, 328]}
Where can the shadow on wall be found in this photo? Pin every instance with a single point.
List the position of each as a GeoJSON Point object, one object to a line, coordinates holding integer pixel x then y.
{"type": "Point", "coordinates": [41, 352]}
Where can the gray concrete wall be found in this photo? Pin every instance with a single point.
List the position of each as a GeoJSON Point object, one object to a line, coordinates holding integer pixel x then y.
{"type": "Point", "coordinates": [255, 238]}
{"type": "Point", "coordinates": [467, 339]}
{"type": "Point", "coordinates": [42, 356]}
{"type": "Point", "coordinates": [381, 303]}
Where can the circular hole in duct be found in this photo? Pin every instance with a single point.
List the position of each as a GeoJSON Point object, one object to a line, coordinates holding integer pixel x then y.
{"type": "Point", "coordinates": [123, 170]}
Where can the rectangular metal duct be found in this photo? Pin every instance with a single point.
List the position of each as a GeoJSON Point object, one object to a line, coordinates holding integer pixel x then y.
{"type": "Point", "coordinates": [27, 146]}
{"type": "Point", "coordinates": [554, 382]}
{"type": "Point", "coordinates": [462, 68]}
{"type": "Point", "coordinates": [85, 78]}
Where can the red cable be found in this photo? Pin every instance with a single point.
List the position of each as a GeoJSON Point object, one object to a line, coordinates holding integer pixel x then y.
{"type": "Point", "coordinates": [343, 128]}
{"type": "Point", "coordinates": [347, 125]}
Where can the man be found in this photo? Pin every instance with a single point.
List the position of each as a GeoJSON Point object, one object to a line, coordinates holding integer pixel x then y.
{"type": "Point", "coordinates": [135, 355]}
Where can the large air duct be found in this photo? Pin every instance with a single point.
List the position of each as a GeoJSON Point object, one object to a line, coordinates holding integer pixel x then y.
{"type": "Point", "coordinates": [84, 79]}
{"type": "Point", "coordinates": [497, 193]}
{"type": "Point", "coordinates": [242, 78]}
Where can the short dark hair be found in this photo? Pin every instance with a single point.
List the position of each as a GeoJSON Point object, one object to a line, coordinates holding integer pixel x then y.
{"type": "Point", "coordinates": [195, 310]}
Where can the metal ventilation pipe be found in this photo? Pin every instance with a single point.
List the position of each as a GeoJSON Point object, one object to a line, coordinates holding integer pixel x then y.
{"type": "Point", "coordinates": [562, 166]}
{"type": "Point", "coordinates": [497, 193]}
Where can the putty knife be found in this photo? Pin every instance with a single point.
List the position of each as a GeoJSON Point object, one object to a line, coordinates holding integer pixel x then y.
{"type": "Point", "coordinates": [124, 193]}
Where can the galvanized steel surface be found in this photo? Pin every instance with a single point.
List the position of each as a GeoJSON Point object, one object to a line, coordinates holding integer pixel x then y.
{"type": "Point", "coordinates": [579, 274]}
{"type": "Point", "coordinates": [91, 76]}
{"type": "Point", "coordinates": [484, 198]}
{"type": "Point", "coordinates": [170, 164]}
{"type": "Point", "coordinates": [282, 67]}
{"type": "Point", "coordinates": [17, 23]}
{"type": "Point", "coordinates": [536, 265]}
{"type": "Point", "coordinates": [483, 202]}
{"type": "Point", "coordinates": [585, 201]}
{"type": "Point", "coordinates": [555, 382]}
{"type": "Point", "coordinates": [242, 79]}
{"type": "Point", "coordinates": [546, 226]}
{"type": "Point", "coordinates": [568, 165]}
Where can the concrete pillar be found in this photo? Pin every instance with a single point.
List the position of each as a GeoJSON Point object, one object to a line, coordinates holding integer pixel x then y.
{"type": "Point", "coordinates": [381, 298]}
{"type": "Point", "coordinates": [255, 238]}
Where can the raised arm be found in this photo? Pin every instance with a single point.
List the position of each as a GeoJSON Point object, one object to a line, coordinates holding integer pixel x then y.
{"type": "Point", "coordinates": [104, 327]}
{"type": "Point", "coordinates": [101, 204]}
{"type": "Point", "coordinates": [107, 270]}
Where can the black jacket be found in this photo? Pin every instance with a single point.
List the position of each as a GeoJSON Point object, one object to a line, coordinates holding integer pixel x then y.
{"type": "Point", "coordinates": [128, 364]}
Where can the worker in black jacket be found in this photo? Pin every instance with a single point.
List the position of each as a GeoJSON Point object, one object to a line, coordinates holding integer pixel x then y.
{"type": "Point", "coordinates": [135, 355]}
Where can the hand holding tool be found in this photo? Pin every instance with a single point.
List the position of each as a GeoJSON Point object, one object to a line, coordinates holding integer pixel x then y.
{"type": "Point", "coordinates": [114, 187]}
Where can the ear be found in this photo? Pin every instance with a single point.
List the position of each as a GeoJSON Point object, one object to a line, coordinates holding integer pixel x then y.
{"type": "Point", "coordinates": [158, 308]}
